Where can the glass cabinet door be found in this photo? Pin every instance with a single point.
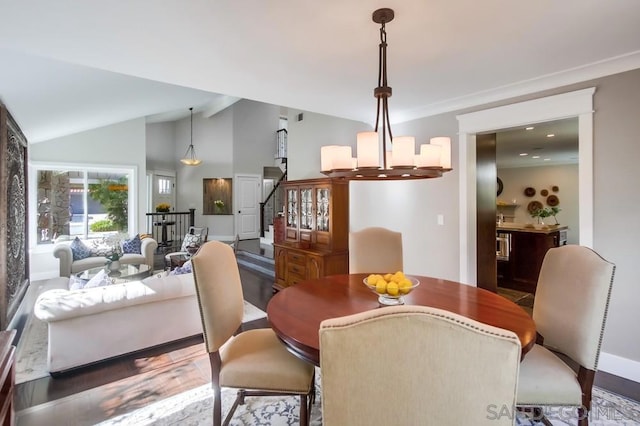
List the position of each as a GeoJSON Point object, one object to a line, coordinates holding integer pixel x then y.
{"type": "Point", "coordinates": [322, 209]}
{"type": "Point", "coordinates": [292, 208]}
{"type": "Point", "coordinates": [306, 208]}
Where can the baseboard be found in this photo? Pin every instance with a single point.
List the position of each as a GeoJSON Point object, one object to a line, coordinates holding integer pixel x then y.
{"type": "Point", "coordinates": [45, 275]}
{"type": "Point", "coordinates": [619, 366]}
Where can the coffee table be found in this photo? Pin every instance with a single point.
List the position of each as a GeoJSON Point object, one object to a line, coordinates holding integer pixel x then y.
{"type": "Point", "coordinates": [124, 274]}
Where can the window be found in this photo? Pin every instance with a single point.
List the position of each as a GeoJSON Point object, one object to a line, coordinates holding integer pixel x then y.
{"type": "Point", "coordinates": [83, 202]}
{"type": "Point", "coordinates": [164, 186]}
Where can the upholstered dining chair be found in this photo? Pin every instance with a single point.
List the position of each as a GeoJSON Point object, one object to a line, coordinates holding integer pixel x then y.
{"type": "Point", "coordinates": [255, 362]}
{"type": "Point", "coordinates": [570, 310]}
{"type": "Point", "coordinates": [375, 250]}
{"type": "Point", "coordinates": [416, 365]}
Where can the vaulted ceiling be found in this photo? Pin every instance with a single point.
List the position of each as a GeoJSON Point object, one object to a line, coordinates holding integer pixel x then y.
{"type": "Point", "coordinates": [71, 65]}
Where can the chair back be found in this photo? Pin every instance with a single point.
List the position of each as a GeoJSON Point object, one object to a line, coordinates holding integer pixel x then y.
{"type": "Point", "coordinates": [375, 250]}
{"type": "Point", "coordinates": [202, 232]}
{"type": "Point", "coordinates": [414, 365]}
{"type": "Point", "coordinates": [219, 292]}
{"type": "Point", "coordinates": [571, 303]}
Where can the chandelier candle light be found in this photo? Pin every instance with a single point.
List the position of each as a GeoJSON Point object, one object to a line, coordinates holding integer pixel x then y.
{"type": "Point", "coordinates": [190, 158]}
{"type": "Point", "coordinates": [401, 162]}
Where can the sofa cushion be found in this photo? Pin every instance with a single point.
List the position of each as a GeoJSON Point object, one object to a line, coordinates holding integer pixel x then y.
{"type": "Point", "coordinates": [100, 279]}
{"type": "Point", "coordinates": [58, 304]}
{"type": "Point", "coordinates": [133, 245]}
{"type": "Point", "coordinates": [79, 249]}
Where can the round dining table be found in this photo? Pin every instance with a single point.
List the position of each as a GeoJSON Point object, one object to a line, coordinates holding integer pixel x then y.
{"type": "Point", "coordinates": [295, 313]}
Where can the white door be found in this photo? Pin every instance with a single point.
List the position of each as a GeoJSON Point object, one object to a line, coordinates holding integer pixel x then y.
{"type": "Point", "coordinates": [247, 195]}
{"type": "Point", "coordinates": [164, 190]}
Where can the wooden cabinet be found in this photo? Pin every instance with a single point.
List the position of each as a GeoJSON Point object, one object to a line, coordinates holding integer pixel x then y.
{"type": "Point", "coordinates": [7, 376]}
{"type": "Point", "coordinates": [527, 251]}
{"type": "Point", "coordinates": [316, 231]}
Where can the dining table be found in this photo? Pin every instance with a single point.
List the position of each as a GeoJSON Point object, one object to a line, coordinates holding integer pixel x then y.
{"type": "Point", "coordinates": [295, 312]}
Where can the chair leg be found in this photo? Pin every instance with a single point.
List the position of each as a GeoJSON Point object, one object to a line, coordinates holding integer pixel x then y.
{"type": "Point", "coordinates": [217, 407]}
{"type": "Point", "coordinates": [304, 414]}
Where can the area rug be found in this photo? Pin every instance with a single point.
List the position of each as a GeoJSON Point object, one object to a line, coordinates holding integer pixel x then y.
{"type": "Point", "coordinates": [194, 408]}
{"type": "Point", "coordinates": [31, 356]}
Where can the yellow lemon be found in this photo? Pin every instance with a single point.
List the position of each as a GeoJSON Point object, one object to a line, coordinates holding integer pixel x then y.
{"type": "Point", "coordinates": [400, 274]}
{"type": "Point", "coordinates": [387, 277]}
{"type": "Point", "coordinates": [404, 286]}
{"type": "Point", "coordinates": [392, 289]}
{"type": "Point", "coordinates": [396, 278]}
{"type": "Point", "coordinates": [381, 286]}
{"type": "Point", "coordinates": [372, 279]}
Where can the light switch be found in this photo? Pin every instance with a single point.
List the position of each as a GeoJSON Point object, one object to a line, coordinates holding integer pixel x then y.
{"type": "Point", "coordinates": [440, 219]}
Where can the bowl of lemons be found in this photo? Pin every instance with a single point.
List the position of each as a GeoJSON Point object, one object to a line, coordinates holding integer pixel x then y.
{"type": "Point", "coordinates": [391, 287]}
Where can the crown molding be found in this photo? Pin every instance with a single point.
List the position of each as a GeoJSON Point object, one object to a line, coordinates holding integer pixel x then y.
{"type": "Point", "coordinates": [579, 74]}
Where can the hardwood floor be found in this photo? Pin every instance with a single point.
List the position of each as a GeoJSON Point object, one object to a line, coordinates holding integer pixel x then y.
{"type": "Point", "coordinates": [92, 394]}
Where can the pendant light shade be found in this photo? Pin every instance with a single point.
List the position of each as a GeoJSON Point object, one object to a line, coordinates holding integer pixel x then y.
{"type": "Point", "coordinates": [189, 157]}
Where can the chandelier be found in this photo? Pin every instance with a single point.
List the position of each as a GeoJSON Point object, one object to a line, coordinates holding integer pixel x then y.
{"type": "Point", "coordinates": [189, 157]}
{"type": "Point", "coordinates": [401, 162]}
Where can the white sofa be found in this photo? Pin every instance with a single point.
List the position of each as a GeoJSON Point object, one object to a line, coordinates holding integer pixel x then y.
{"type": "Point", "coordinates": [69, 266]}
{"type": "Point", "coordinates": [94, 324]}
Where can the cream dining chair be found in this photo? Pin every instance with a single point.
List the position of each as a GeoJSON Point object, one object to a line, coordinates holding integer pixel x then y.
{"type": "Point", "coordinates": [570, 310]}
{"type": "Point", "coordinates": [253, 361]}
{"type": "Point", "coordinates": [416, 365]}
{"type": "Point", "coordinates": [375, 250]}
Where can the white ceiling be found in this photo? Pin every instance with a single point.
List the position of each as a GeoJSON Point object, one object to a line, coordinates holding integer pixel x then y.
{"type": "Point", "coordinates": [72, 65]}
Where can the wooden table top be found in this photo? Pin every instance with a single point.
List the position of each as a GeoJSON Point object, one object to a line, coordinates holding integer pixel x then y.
{"type": "Point", "coordinates": [295, 313]}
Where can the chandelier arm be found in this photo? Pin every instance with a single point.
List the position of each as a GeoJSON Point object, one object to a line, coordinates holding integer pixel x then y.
{"type": "Point", "coordinates": [377, 114]}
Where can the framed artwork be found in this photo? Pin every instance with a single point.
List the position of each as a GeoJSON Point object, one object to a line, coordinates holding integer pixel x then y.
{"type": "Point", "coordinates": [14, 263]}
{"type": "Point", "coordinates": [216, 196]}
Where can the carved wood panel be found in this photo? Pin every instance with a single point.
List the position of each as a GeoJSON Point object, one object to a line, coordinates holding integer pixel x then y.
{"type": "Point", "coordinates": [14, 264]}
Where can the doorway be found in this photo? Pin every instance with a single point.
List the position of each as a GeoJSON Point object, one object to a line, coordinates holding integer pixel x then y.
{"type": "Point", "coordinates": [247, 195]}
{"type": "Point", "coordinates": [573, 104]}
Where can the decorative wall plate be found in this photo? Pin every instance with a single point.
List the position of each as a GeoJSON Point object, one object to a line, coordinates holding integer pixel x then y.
{"type": "Point", "coordinates": [529, 192]}
{"type": "Point", "coordinates": [554, 188]}
{"type": "Point", "coordinates": [544, 192]}
{"type": "Point", "coordinates": [553, 200]}
{"type": "Point", "coordinates": [533, 206]}
{"type": "Point", "coordinates": [500, 187]}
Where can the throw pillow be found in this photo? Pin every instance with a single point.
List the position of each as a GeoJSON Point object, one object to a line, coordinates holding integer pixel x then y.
{"type": "Point", "coordinates": [76, 283]}
{"type": "Point", "coordinates": [99, 280]}
{"type": "Point", "coordinates": [79, 249]}
{"type": "Point", "coordinates": [191, 241]}
{"type": "Point", "coordinates": [100, 248]}
{"type": "Point", "coordinates": [184, 269]}
{"type": "Point", "coordinates": [133, 245]}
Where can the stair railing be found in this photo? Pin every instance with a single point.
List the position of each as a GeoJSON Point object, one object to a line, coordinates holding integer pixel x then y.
{"type": "Point", "coordinates": [271, 194]}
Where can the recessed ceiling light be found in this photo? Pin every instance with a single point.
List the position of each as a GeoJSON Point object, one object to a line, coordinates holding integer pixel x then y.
{"type": "Point", "coordinates": [536, 156]}
{"type": "Point", "coordinates": [528, 128]}
{"type": "Point", "coordinates": [523, 154]}
{"type": "Point", "coordinates": [550, 135]}
{"type": "Point", "coordinates": [547, 159]}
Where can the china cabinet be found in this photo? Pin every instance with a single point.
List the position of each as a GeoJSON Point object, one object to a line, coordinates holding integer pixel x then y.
{"type": "Point", "coordinates": [316, 231]}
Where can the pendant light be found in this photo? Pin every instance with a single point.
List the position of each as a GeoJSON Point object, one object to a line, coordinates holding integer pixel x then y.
{"type": "Point", "coordinates": [190, 158]}
{"type": "Point", "coordinates": [373, 161]}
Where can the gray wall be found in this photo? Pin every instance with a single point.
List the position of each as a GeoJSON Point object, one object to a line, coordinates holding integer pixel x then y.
{"type": "Point", "coordinates": [254, 136]}
{"type": "Point", "coordinates": [161, 145]}
{"type": "Point", "coordinates": [433, 250]}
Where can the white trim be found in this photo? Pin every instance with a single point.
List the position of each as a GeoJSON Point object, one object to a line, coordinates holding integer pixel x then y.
{"type": "Point", "coordinates": [619, 366]}
{"type": "Point", "coordinates": [578, 103]}
{"type": "Point", "coordinates": [615, 65]}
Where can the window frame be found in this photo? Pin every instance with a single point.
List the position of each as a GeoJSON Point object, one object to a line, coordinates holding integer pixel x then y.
{"type": "Point", "coordinates": [36, 166]}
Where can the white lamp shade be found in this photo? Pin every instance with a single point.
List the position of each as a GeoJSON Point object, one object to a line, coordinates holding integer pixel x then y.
{"type": "Point", "coordinates": [445, 154]}
{"type": "Point", "coordinates": [368, 149]}
{"type": "Point", "coordinates": [404, 151]}
{"type": "Point", "coordinates": [429, 155]}
{"type": "Point", "coordinates": [327, 154]}
{"type": "Point", "coordinates": [342, 158]}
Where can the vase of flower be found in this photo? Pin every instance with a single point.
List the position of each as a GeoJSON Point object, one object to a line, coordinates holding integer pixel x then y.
{"type": "Point", "coordinates": [113, 265]}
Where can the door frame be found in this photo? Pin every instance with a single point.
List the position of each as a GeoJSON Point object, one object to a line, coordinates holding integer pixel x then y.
{"type": "Point", "coordinates": [579, 104]}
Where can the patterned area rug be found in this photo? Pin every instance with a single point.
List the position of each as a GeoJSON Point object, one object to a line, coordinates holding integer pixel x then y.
{"type": "Point", "coordinates": [194, 408]}
{"type": "Point", "coordinates": [31, 358]}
